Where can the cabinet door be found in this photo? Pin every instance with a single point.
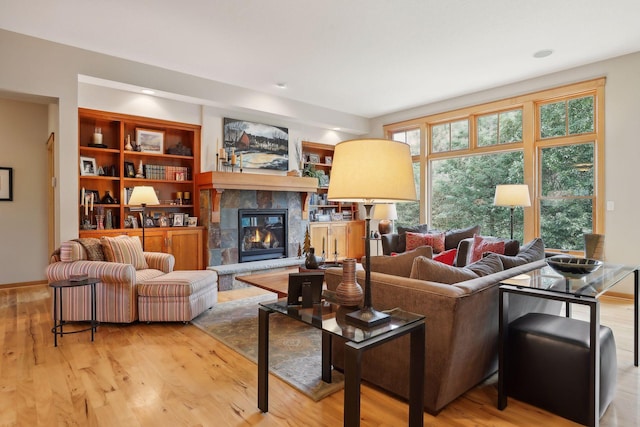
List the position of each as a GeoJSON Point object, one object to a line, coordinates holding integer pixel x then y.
{"type": "Point", "coordinates": [319, 236]}
{"type": "Point", "coordinates": [154, 240]}
{"type": "Point", "coordinates": [337, 240]}
{"type": "Point", "coordinates": [186, 246]}
{"type": "Point", "coordinates": [355, 246]}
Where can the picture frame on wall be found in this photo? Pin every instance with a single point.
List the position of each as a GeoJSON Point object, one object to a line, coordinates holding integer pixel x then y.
{"type": "Point", "coordinates": [6, 184]}
{"type": "Point", "coordinates": [262, 146]}
{"type": "Point", "coordinates": [88, 166]}
{"type": "Point", "coordinates": [150, 141]}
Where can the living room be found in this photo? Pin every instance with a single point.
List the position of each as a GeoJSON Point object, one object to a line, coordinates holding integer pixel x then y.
{"type": "Point", "coordinates": [44, 84]}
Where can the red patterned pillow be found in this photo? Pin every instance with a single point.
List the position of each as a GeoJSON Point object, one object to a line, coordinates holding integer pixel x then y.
{"type": "Point", "coordinates": [485, 244]}
{"type": "Point", "coordinates": [446, 257]}
{"type": "Point", "coordinates": [435, 240]}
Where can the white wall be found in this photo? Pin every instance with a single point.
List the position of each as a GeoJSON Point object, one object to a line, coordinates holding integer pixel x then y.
{"type": "Point", "coordinates": [23, 221]}
{"type": "Point", "coordinates": [622, 143]}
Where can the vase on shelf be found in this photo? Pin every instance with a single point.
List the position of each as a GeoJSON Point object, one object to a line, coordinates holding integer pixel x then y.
{"type": "Point", "coordinates": [349, 293]}
{"type": "Point", "coordinates": [107, 199]}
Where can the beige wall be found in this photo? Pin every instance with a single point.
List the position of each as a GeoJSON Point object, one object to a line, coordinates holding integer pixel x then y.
{"type": "Point", "coordinates": [23, 221]}
{"type": "Point", "coordinates": [622, 143]}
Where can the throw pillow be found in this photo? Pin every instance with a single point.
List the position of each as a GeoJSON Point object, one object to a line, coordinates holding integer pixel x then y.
{"type": "Point", "coordinates": [485, 244]}
{"type": "Point", "coordinates": [399, 265]}
{"type": "Point", "coordinates": [532, 251]}
{"type": "Point", "coordinates": [452, 237]}
{"type": "Point", "coordinates": [487, 265]}
{"type": "Point", "coordinates": [124, 250]}
{"type": "Point", "coordinates": [402, 238]}
{"type": "Point", "coordinates": [446, 257]}
{"type": "Point", "coordinates": [435, 240]}
{"type": "Point", "coordinates": [434, 271]}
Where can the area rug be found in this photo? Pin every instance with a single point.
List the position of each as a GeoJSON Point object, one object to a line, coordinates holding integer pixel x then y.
{"type": "Point", "coordinates": [295, 354]}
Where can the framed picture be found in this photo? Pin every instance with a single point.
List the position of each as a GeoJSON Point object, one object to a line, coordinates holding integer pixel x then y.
{"type": "Point", "coordinates": [88, 166]}
{"type": "Point", "coordinates": [328, 159]}
{"type": "Point", "coordinates": [262, 146]}
{"type": "Point", "coordinates": [193, 221]}
{"type": "Point", "coordinates": [150, 141]}
{"type": "Point", "coordinates": [178, 220]}
{"type": "Point", "coordinates": [6, 184]}
{"type": "Point", "coordinates": [87, 195]}
{"type": "Point", "coordinates": [129, 170]}
{"type": "Point", "coordinates": [149, 222]}
{"type": "Point", "coordinates": [163, 221]}
{"type": "Point", "coordinates": [314, 158]}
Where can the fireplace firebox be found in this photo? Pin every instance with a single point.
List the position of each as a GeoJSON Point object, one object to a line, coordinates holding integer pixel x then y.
{"type": "Point", "coordinates": [262, 234]}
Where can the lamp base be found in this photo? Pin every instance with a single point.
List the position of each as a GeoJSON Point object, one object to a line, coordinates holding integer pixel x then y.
{"type": "Point", "coordinates": [367, 317]}
{"type": "Point", "coordinates": [385, 226]}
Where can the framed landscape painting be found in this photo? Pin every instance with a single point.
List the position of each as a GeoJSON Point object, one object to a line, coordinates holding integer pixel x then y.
{"type": "Point", "coordinates": [6, 184]}
{"type": "Point", "coordinates": [262, 146]}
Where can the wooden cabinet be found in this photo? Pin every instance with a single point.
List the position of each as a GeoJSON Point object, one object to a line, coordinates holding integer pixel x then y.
{"type": "Point", "coordinates": [317, 161]}
{"type": "Point", "coordinates": [130, 151]}
{"type": "Point", "coordinates": [184, 243]}
{"type": "Point", "coordinates": [344, 237]}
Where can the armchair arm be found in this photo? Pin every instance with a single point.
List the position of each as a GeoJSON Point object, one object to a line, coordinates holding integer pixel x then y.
{"type": "Point", "coordinates": [112, 272]}
{"type": "Point", "coordinates": [160, 261]}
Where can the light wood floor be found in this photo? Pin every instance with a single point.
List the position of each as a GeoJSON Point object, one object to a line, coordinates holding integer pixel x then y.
{"type": "Point", "coordinates": [176, 375]}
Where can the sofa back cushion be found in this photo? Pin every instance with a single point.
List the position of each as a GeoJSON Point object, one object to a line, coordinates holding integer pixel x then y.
{"type": "Point", "coordinates": [71, 251]}
{"type": "Point", "coordinates": [532, 251]}
{"type": "Point", "coordinates": [452, 237]}
{"type": "Point", "coordinates": [398, 265]}
{"type": "Point", "coordinates": [125, 250]}
{"type": "Point", "coordinates": [434, 271]}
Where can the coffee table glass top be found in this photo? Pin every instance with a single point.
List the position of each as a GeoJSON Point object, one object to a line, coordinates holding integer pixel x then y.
{"type": "Point", "coordinates": [330, 318]}
{"type": "Point", "coordinates": [592, 285]}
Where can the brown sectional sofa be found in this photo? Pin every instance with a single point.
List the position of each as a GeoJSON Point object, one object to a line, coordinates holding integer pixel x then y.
{"type": "Point", "coordinates": [461, 324]}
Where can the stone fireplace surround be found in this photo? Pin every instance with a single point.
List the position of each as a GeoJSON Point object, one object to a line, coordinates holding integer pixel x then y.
{"type": "Point", "coordinates": [223, 193]}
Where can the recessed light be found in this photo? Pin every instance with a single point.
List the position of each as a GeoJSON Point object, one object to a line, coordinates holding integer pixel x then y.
{"type": "Point", "coordinates": [543, 53]}
{"type": "Point", "coordinates": [281, 85]}
{"type": "Point", "coordinates": [148, 92]}
{"type": "Point", "coordinates": [336, 129]}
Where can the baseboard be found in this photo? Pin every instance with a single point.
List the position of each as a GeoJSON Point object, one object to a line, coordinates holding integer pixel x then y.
{"type": "Point", "coordinates": [22, 284]}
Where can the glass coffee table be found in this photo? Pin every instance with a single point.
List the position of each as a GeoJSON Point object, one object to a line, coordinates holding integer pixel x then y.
{"type": "Point", "coordinates": [329, 318]}
{"type": "Point", "coordinates": [586, 290]}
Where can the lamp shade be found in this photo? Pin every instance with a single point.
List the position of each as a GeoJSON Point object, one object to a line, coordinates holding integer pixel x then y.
{"type": "Point", "coordinates": [143, 195]}
{"type": "Point", "coordinates": [385, 211]}
{"type": "Point", "coordinates": [512, 195]}
{"type": "Point", "coordinates": [372, 171]}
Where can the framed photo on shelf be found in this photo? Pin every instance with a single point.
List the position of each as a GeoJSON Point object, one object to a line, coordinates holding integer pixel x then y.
{"type": "Point", "coordinates": [314, 158]}
{"type": "Point", "coordinates": [6, 184]}
{"type": "Point", "coordinates": [328, 160]}
{"type": "Point", "coordinates": [178, 220]}
{"type": "Point", "coordinates": [150, 141]}
{"type": "Point", "coordinates": [129, 170]}
{"type": "Point", "coordinates": [88, 166]}
{"type": "Point", "coordinates": [192, 221]}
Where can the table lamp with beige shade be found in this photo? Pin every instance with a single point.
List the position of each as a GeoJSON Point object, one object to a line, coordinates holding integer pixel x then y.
{"type": "Point", "coordinates": [143, 195]}
{"type": "Point", "coordinates": [371, 171]}
{"type": "Point", "coordinates": [386, 213]}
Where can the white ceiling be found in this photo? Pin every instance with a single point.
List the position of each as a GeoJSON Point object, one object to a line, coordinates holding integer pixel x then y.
{"type": "Point", "coordinates": [364, 57]}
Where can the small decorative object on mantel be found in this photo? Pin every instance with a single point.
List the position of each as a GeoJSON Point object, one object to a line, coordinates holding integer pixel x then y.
{"type": "Point", "coordinates": [349, 293]}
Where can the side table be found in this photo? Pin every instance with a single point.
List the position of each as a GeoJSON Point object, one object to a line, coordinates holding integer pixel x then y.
{"type": "Point", "coordinates": [58, 324]}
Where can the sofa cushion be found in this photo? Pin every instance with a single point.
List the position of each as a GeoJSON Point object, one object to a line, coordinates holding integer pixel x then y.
{"type": "Point", "coordinates": [446, 257]}
{"type": "Point", "coordinates": [487, 265]}
{"type": "Point", "coordinates": [72, 251]}
{"type": "Point", "coordinates": [402, 238]}
{"type": "Point", "coordinates": [532, 251]}
{"type": "Point", "coordinates": [485, 244]}
{"type": "Point", "coordinates": [415, 240]}
{"type": "Point", "coordinates": [125, 250]}
{"type": "Point", "coordinates": [400, 264]}
{"type": "Point", "coordinates": [433, 271]}
{"type": "Point", "coordinates": [452, 237]}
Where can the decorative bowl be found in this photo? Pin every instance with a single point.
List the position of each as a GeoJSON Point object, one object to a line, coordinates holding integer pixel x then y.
{"type": "Point", "coordinates": [573, 267]}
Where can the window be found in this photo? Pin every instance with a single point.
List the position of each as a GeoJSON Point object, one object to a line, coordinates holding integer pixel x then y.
{"type": "Point", "coordinates": [500, 128]}
{"type": "Point", "coordinates": [450, 136]}
{"type": "Point", "coordinates": [549, 139]}
{"type": "Point", "coordinates": [409, 213]}
{"type": "Point", "coordinates": [462, 190]}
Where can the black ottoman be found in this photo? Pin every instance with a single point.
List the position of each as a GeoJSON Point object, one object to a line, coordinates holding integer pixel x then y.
{"type": "Point", "coordinates": [548, 365]}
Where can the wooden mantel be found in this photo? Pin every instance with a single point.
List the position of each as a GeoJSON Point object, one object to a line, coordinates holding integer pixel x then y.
{"type": "Point", "coordinates": [217, 182]}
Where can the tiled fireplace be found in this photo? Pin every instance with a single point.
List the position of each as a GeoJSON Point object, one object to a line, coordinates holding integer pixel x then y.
{"type": "Point", "coordinates": [262, 234]}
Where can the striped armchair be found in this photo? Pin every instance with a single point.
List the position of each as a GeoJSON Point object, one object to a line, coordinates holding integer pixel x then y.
{"type": "Point", "coordinates": [116, 293]}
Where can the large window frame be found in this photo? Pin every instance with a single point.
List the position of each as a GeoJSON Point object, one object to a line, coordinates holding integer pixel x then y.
{"type": "Point", "coordinates": [531, 145]}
